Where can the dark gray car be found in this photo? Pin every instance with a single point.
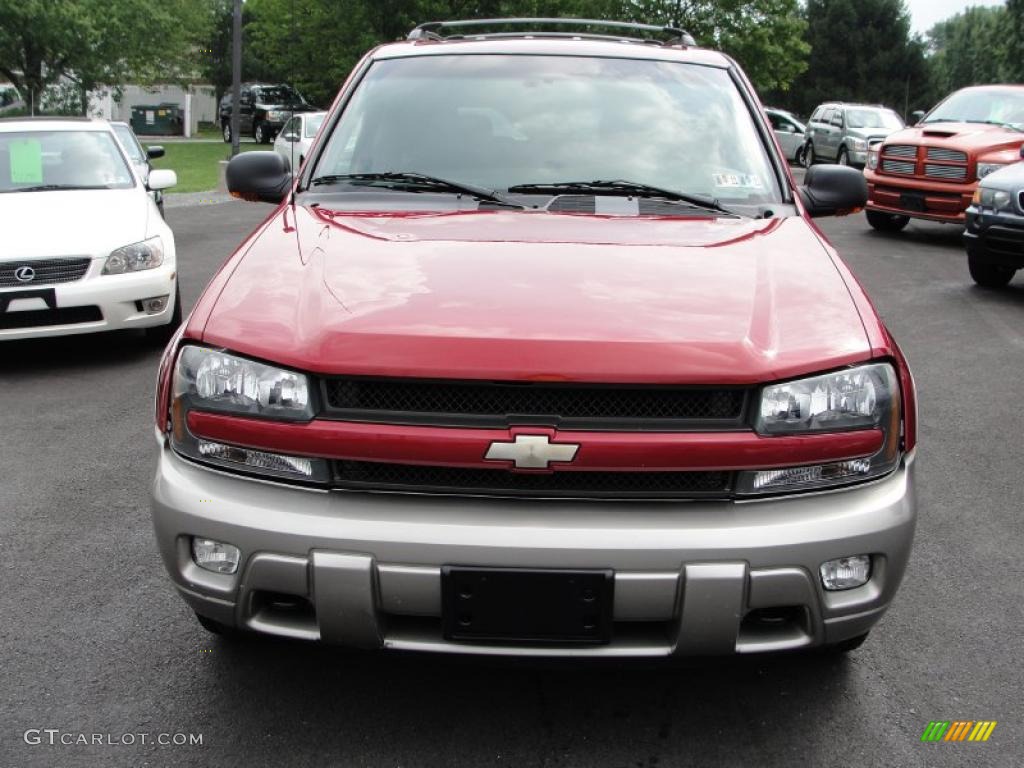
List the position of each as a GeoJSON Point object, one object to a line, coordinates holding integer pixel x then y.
{"type": "Point", "coordinates": [995, 227]}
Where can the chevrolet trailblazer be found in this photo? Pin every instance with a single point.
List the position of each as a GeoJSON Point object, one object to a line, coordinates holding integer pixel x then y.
{"type": "Point", "coordinates": [539, 354]}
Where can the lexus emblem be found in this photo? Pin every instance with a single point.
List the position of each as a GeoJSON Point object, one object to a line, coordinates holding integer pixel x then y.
{"type": "Point", "coordinates": [25, 274]}
{"type": "Point", "coordinates": [532, 452]}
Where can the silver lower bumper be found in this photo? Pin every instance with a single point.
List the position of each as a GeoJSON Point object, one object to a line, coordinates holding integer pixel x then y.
{"type": "Point", "coordinates": [687, 575]}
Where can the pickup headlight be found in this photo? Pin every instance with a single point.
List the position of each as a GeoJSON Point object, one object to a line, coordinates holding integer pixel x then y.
{"type": "Point", "coordinates": [997, 199]}
{"type": "Point", "coordinates": [149, 254]}
{"type": "Point", "coordinates": [859, 145]}
{"type": "Point", "coordinates": [984, 169]}
{"type": "Point", "coordinates": [873, 158]}
{"type": "Point", "coordinates": [215, 381]}
{"type": "Point", "coordinates": [865, 397]}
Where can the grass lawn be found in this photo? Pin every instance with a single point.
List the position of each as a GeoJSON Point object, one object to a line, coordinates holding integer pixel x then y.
{"type": "Point", "coordinates": [195, 162]}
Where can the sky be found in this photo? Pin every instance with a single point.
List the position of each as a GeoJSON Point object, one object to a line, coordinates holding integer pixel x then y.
{"type": "Point", "coordinates": [925, 13]}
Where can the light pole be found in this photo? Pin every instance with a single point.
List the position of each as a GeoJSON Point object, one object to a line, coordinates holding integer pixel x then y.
{"type": "Point", "coordinates": [236, 72]}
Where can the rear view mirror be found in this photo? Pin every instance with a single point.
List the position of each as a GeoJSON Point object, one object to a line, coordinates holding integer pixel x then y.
{"type": "Point", "coordinates": [259, 177]}
{"type": "Point", "coordinates": [154, 152]}
{"type": "Point", "coordinates": [833, 190]}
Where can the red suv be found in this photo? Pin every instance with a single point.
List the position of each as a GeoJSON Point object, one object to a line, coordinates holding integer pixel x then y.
{"type": "Point", "coordinates": [541, 354]}
{"type": "Point", "coordinates": [930, 170]}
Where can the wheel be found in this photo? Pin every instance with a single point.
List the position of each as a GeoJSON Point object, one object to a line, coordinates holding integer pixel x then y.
{"type": "Point", "coordinates": [809, 155]}
{"type": "Point", "coordinates": [800, 158]}
{"type": "Point", "coordinates": [988, 275]}
{"type": "Point", "coordinates": [160, 335]}
{"type": "Point", "coordinates": [887, 222]}
{"type": "Point", "coordinates": [844, 157]}
{"type": "Point", "coordinates": [260, 133]}
{"type": "Point", "coordinates": [226, 131]}
{"type": "Point", "coordinates": [845, 646]}
{"type": "Point", "coordinates": [214, 627]}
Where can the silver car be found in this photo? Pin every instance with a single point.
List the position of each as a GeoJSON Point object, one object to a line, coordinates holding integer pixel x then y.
{"type": "Point", "coordinates": [843, 133]}
{"type": "Point", "coordinates": [790, 132]}
{"type": "Point", "coordinates": [296, 137]}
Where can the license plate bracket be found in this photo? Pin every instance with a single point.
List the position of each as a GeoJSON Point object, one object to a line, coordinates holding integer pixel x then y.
{"type": "Point", "coordinates": [913, 201]}
{"type": "Point", "coordinates": [527, 605]}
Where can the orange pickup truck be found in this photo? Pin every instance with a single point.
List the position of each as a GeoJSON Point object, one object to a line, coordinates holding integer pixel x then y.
{"type": "Point", "coordinates": [930, 170]}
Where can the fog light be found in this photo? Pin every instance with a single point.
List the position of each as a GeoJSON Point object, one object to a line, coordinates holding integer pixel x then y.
{"type": "Point", "coordinates": [215, 556]}
{"type": "Point", "coordinates": [804, 477]}
{"type": "Point", "coordinates": [846, 572]}
{"type": "Point", "coordinates": [155, 305]}
{"type": "Point", "coordinates": [273, 462]}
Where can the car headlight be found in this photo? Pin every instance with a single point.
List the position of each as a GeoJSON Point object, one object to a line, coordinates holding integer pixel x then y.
{"type": "Point", "coordinates": [984, 169]}
{"type": "Point", "coordinates": [275, 115]}
{"type": "Point", "coordinates": [215, 381]}
{"type": "Point", "coordinates": [149, 254]}
{"type": "Point", "coordinates": [873, 159]}
{"type": "Point", "coordinates": [859, 145]}
{"type": "Point", "coordinates": [865, 397]}
{"type": "Point", "coordinates": [996, 199]}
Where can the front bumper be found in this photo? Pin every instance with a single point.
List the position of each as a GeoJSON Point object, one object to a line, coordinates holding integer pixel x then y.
{"type": "Point", "coordinates": [686, 575]}
{"type": "Point", "coordinates": [995, 238]}
{"type": "Point", "coordinates": [115, 296]}
{"type": "Point", "coordinates": [942, 202]}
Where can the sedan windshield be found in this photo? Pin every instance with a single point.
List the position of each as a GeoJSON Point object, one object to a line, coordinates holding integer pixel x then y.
{"type": "Point", "coordinates": [49, 160]}
{"type": "Point", "coordinates": [498, 121]}
{"type": "Point", "coordinates": [873, 118]}
{"type": "Point", "coordinates": [1000, 106]}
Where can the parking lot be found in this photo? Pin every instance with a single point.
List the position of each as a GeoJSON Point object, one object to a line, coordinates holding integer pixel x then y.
{"type": "Point", "coordinates": [94, 640]}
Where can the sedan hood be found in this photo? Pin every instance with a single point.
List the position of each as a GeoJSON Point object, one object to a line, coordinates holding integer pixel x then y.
{"type": "Point", "coordinates": [539, 296]}
{"type": "Point", "coordinates": [71, 223]}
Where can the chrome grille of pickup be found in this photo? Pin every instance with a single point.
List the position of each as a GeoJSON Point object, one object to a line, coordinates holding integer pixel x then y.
{"type": "Point", "coordinates": [408, 478]}
{"type": "Point", "coordinates": [949, 155]}
{"type": "Point", "coordinates": [489, 403]}
{"type": "Point", "coordinates": [900, 150]}
{"type": "Point", "coordinates": [897, 166]}
{"type": "Point", "coordinates": [946, 172]}
{"type": "Point", "coordinates": [47, 271]}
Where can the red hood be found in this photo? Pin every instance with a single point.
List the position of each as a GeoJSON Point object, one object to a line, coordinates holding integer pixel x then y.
{"type": "Point", "coordinates": [513, 295]}
{"type": "Point", "coordinates": [973, 138]}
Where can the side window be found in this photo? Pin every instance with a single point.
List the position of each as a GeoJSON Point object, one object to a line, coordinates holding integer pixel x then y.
{"type": "Point", "coordinates": [776, 121]}
{"type": "Point", "coordinates": [292, 126]}
{"type": "Point", "coordinates": [837, 118]}
{"type": "Point", "coordinates": [816, 117]}
{"type": "Point", "coordinates": [245, 97]}
{"type": "Point", "coordinates": [828, 115]}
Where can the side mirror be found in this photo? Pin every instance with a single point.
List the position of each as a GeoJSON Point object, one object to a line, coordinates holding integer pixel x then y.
{"type": "Point", "coordinates": [290, 136]}
{"type": "Point", "coordinates": [916, 116]}
{"type": "Point", "coordinates": [154, 152]}
{"type": "Point", "coordinates": [833, 190]}
{"type": "Point", "coordinates": [787, 128]}
{"type": "Point", "coordinates": [161, 178]}
{"type": "Point", "coordinates": [259, 177]}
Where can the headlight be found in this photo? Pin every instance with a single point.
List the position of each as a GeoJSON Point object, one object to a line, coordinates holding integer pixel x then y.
{"type": "Point", "coordinates": [275, 115]}
{"type": "Point", "coordinates": [865, 397]}
{"type": "Point", "coordinates": [984, 169]}
{"type": "Point", "coordinates": [149, 254]}
{"type": "Point", "coordinates": [859, 144]}
{"type": "Point", "coordinates": [215, 381]}
{"type": "Point", "coordinates": [997, 199]}
{"type": "Point", "coordinates": [873, 159]}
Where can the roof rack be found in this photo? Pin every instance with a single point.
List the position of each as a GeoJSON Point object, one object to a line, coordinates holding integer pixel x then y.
{"type": "Point", "coordinates": [431, 30]}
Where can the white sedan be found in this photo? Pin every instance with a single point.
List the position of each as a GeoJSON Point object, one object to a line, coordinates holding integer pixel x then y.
{"type": "Point", "coordinates": [83, 246]}
{"type": "Point", "coordinates": [296, 137]}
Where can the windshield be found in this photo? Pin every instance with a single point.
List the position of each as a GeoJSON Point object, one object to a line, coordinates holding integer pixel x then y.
{"type": "Point", "coordinates": [279, 94]}
{"type": "Point", "coordinates": [313, 123]}
{"type": "Point", "coordinates": [873, 118]}
{"type": "Point", "coordinates": [61, 160]}
{"type": "Point", "coordinates": [982, 105]}
{"type": "Point", "coordinates": [498, 121]}
{"type": "Point", "coordinates": [131, 146]}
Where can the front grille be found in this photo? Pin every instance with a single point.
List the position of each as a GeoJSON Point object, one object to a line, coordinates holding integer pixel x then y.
{"type": "Point", "coordinates": [897, 166]}
{"type": "Point", "coordinates": [47, 271]}
{"type": "Point", "coordinates": [408, 478]}
{"type": "Point", "coordinates": [573, 204]}
{"type": "Point", "coordinates": [946, 172]}
{"type": "Point", "coordinates": [499, 403]}
{"type": "Point", "coordinates": [900, 150]}
{"type": "Point", "coordinates": [45, 317]}
{"type": "Point", "coordinates": [950, 155]}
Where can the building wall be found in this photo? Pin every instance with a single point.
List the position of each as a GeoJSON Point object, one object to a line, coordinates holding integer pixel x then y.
{"type": "Point", "coordinates": [198, 102]}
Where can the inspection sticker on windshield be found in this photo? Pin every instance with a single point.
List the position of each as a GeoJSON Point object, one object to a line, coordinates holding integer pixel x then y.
{"type": "Point", "coordinates": [738, 181]}
{"type": "Point", "coordinates": [26, 161]}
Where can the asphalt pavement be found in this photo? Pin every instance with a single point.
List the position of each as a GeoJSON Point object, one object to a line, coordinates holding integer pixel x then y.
{"type": "Point", "coordinates": [94, 641]}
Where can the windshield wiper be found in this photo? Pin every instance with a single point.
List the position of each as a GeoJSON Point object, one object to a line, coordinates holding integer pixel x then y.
{"type": "Point", "coordinates": [55, 187]}
{"type": "Point", "coordinates": [416, 182]}
{"type": "Point", "coordinates": [619, 186]}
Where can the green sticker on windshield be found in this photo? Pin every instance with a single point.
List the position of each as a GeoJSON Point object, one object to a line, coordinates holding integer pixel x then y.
{"type": "Point", "coordinates": [26, 161]}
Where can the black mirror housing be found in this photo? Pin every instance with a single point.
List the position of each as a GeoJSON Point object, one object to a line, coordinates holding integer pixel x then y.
{"type": "Point", "coordinates": [259, 177]}
{"type": "Point", "coordinates": [154, 152]}
{"type": "Point", "coordinates": [833, 190]}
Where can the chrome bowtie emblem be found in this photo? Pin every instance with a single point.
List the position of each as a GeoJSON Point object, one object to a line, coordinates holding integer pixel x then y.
{"type": "Point", "coordinates": [24, 274]}
{"type": "Point", "coordinates": [532, 452]}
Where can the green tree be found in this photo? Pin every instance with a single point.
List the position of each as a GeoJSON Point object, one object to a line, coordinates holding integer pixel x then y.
{"type": "Point", "coordinates": [971, 48]}
{"type": "Point", "coordinates": [1014, 52]}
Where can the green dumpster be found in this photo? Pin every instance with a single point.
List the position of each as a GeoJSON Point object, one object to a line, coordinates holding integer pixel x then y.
{"type": "Point", "coordinates": [158, 120]}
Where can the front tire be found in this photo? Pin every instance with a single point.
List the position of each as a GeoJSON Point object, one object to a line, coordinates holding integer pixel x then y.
{"type": "Point", "coordinates": [800, 158]}
{"type": "Point", "coordinates": [887, 222]}
{"type": "Point", "coordinates": [809, 157]}
{"type": "Point", "coordinates": [259, 133]}
{"type": "Point", "coordinates": [225, 129]}
{"type": "Point", "coordinates": [989, 275]}
{"type": "Point", "coordinates": [160, 335]}
{"type": "Point", "coordinates": [843, 158]}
